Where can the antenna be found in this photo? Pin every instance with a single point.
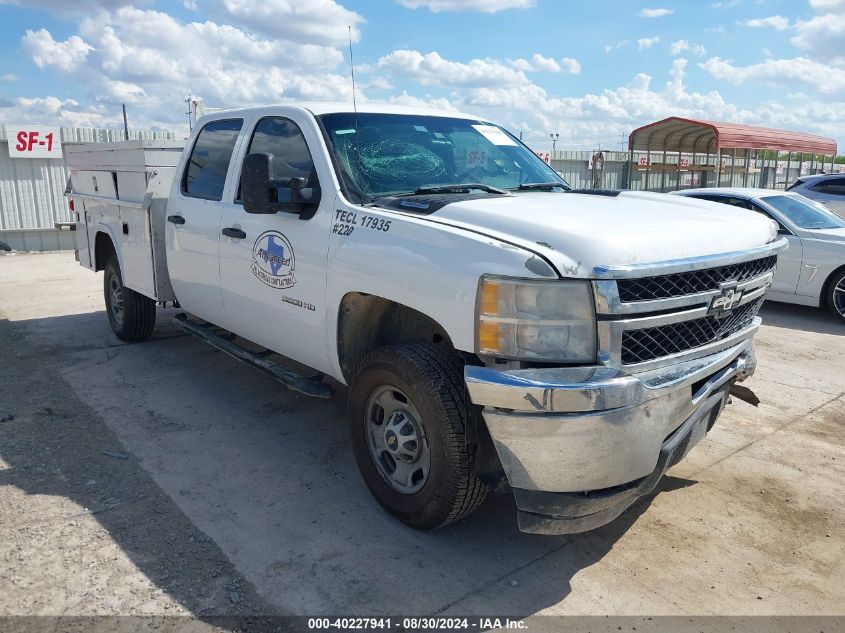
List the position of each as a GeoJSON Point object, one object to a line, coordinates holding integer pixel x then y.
{"type": "Point", "coordinates": [354, 101]}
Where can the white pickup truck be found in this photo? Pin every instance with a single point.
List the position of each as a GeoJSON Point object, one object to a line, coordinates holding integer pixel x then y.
{"type": "Point", "coordinates": [496, 330]}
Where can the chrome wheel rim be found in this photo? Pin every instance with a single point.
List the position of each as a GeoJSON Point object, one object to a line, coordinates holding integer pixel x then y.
{"type": "Point", "coordinates": [839, 297]}
{"type": "Point", "coordinates": [116, 300]}
{"type": "Point", "coordinates": [396, 439]}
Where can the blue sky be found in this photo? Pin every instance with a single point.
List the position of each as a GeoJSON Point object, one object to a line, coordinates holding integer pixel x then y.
{"type": "Point", "coordinates": [588, 71]}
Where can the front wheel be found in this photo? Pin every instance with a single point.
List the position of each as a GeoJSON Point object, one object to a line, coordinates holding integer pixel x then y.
{"type": "Point", "coordinates": [408, 411]}
{"type": "Point", "coordinates": [836, 295]}
{"type": "Point", "coordinates": [132, 316]}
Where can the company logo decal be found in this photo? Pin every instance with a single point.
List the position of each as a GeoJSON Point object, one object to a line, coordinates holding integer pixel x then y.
{"type": "Point", "coordinates": [273, 260]}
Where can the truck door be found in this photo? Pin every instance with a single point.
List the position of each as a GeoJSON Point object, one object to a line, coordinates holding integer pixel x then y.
{"type": "Point", "coordinates": [273, 267]}
{"type": "Point", "coordinates": [193, 220]}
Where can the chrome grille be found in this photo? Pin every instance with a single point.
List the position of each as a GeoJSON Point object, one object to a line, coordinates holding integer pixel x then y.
{"type": "Point", "coordinates": [691, 282]}
{"type": "Point", "coordinates": [642, 345]}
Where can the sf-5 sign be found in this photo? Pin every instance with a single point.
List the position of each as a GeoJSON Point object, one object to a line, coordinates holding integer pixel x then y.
{"type": "Point", "coordinates": [34, 141]}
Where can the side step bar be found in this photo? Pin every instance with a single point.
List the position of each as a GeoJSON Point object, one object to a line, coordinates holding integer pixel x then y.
{"type": "Point", "coordinates": [258, 360]}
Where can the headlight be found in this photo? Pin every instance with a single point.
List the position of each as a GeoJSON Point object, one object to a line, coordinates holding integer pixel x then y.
{"type": "Point", "coordinates": [536, 320]}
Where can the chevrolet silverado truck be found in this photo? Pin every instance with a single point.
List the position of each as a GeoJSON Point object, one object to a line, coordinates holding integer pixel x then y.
{"type": "Point", "coordinates": [496, 329]}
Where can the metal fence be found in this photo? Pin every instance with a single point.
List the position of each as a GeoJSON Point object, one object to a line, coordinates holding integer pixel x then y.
{"type": "Point", "coordinates": [577, 167]}
{"type": "Point", "coordinates": [32, 190]}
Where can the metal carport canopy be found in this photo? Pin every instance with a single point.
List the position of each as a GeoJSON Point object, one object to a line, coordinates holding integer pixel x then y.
{"type": "Point", "coordinates": [677, 134]}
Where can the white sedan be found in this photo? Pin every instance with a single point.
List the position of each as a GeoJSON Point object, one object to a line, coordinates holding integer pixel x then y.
{"type": "Point", "coordinates": [812, 270]}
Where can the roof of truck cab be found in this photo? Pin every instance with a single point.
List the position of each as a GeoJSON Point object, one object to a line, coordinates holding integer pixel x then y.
{"type": "Point", "coordinates": [337, 107]}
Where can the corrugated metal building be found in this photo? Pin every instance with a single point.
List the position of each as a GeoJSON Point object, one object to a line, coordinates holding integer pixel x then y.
{"type": "Point", "coordinates": [32, 197]}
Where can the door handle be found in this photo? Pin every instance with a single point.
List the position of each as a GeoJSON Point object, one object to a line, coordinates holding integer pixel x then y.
{"type": "Point", "coordinates": [230, 231]}
{"type": "Point", "coordinates": [176, 219]}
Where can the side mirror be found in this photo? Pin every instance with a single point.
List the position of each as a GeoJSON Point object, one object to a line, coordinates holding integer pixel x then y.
{"type": "Point", "coordinates": [261, 193]}
{"type": "Point", "coordinates": [256, 188]}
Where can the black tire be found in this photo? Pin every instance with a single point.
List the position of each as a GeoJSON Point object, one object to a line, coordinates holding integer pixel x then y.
{"type": "Point", "coordinates": [137, 318]}
{"type": "Point", "coordinates": [433, 380]}
{"type": "Point", "coordinates": [835, 294]}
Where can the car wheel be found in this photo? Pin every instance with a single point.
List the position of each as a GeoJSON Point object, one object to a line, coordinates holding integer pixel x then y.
{"type": "Point", "coordinates": [408, 411]}
{"type": "Point", "coordinates": [836, 294]}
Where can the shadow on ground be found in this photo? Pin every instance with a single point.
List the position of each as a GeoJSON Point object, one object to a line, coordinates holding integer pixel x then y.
{"type": "Point", "coordinates": [791, 316]}
{"type": "Point", "coordinates": [235, 496]}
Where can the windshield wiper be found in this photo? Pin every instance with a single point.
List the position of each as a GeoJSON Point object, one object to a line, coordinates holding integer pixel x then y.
{"type": "Point", "coordinates": [461, 188]}
{"type": "Point", "coordinates": [532, 186]}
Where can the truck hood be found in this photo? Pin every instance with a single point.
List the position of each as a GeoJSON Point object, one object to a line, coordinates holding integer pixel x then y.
{"type": "Point", "coordinates": [579, 232]}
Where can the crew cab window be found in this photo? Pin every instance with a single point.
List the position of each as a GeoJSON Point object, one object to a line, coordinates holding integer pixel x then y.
{"type": "Point", "coordinates": [205, 174]}
{"type": "Point", "coordinates": [284, 140]}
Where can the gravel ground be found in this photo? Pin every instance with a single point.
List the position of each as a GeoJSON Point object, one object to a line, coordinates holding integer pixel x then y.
{"type": "Point", "coordinates": [165, 478]}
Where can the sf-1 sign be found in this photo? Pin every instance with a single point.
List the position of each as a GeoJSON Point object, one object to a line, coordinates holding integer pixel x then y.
{"type": "Point", "coordinates": [34, 141]}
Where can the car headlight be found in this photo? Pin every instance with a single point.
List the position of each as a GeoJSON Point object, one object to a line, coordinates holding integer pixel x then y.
{"type": "Point", "coordinates": [536, 320]}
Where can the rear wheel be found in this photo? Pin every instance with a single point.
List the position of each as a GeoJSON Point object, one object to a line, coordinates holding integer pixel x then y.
{"type": "Point", "coordinates": [132, 316]}
{"type": "Point", "coordinates": [408, 411]}
{"type": "Point", "coordinates": [836, 294]}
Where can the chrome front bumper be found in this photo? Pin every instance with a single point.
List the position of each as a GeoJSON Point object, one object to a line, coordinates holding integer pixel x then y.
{"type": "Point", "coordinates": [585, 430]}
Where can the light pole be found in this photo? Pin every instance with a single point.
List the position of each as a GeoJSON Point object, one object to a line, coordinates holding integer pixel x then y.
{"type": "Point", "coordinates": [554, 136]}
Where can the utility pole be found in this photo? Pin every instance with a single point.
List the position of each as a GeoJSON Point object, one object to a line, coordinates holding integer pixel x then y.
{"type": "Point", "coordinates": [125, 124]}
{"type": "Point", "coordinates": [554, 136]}
{"type": "Point", "coordinates": [189, 112]}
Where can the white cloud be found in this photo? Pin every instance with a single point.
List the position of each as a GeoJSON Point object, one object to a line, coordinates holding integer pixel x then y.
{"type": "Point", "coordinates": [725, 4]}
{"type": "Point", "coordinates": [126, 92]}
{"type": "Point", "coordinates": [827, 5]}
{"type": "Point", "coordinates": [824, 78]}
{"type": "Point", "coordinates": [613, 47]}
{"type": "Point", "coordinates": [483, 6]}
{"type": "Point", "coordinates": [71, 6]}
{"type": "Point", "coordinates": [546, 64]}
{"type": "Point", "coordinates": [431, 69]}
{"type": "Point", "coordinates": [190, 5]}
{"type": "Point", "coordinates": [428, 101]}
{"type": "Point", "coordinates": [675, 48]}
{"type": "Point", "coordinates": [647, 42]}
{"type": "Point", "coordinates": [377, 83]}
{"type": "Point", "coordinates": [311, 22]}
{"type": "Point", "coordinates": [45, 51]}
{"type": "Point", "coordinates": [522, 105]}
{"type": "Point", "coordinates": [655, 13]}
{"type": "Point", "coordinates": [823, 36]}
{"type": "Point", "coordinates": [570, 65]}
{"type": "Point", "coordinates": [152, 60]}
{"type": "Point", "coordinates": [9, 77]}
{"type": "Point", "coordinates": [777, 22]}
{"type": "Point", "coordinates": [539, 63]}
{"type": "Point", "coordinates": [58, 111]}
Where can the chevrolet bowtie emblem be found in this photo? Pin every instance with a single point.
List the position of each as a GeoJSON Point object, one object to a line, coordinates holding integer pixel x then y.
{"type": "Point", "coordinates": [729, 298]}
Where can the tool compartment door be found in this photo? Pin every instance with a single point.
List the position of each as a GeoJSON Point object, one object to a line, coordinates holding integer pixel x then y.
{"type": "Point", "coordinates": [136, 244]}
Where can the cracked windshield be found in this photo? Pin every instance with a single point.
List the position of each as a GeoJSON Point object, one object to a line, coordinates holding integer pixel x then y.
{"type": "Point", "coordinates": [396, 154]}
